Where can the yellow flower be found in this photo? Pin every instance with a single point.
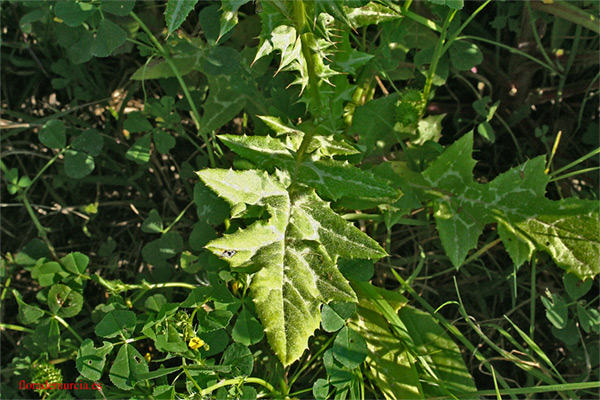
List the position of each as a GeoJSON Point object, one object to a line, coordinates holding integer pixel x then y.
{"type": "Point", "coordinates": [195, 343]}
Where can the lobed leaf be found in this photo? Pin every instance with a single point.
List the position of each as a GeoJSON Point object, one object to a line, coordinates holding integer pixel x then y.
{"type": "Point", "coordinates": [293, 251]}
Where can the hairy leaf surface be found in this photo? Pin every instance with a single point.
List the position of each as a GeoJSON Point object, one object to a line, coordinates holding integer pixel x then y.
{"type": "Point", "coordinates": [294, 253]}
{"type": "Point", "coordinates": [331, 178]}
{"type": "Point", "coordinates": [568, 230]}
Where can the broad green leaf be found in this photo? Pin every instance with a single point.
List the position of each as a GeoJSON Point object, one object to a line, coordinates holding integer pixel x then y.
{"type": "Point", "coordinates": [239, 358]}
{"type": "Point", "coordinates": [116, 323]}
{"type": "Point", "coordinates": [64, 301]}
{"type": "Point", "coordinates": [81, 50]}
{"type": "Point", "coordinates": [465, 55]}
{"type": "Point", "coordinates": [120, 8]}
{"type": "Point", "coordinates": [443, 355]}
{"type": "Point", "coordinates": [108, 37]}
{"type": "Point", "coordinates": [90, 142]}
{"type": "Point", "coordinates": [222, 105]}
{"type": "Point", "coordinates": [49, 273]}
{"type": "Point", "coordinates": [247, 330]}
{"type": "Point", "coordinates": [329, 177]}
{"type": "Point", "coordinates": [568, 230]}
{"type": "Point", "coordinates": [27, 314]}
{"type": "Point", "coordinates": [349, 348]}
{"type": "Point", "coordinates": [163, 141]}
{"type": "Point", "coordinates": [557, 310]}
{"type": "Point", "coordinates": [78, 164]}
{"type": "Point", "coordinates": [374, 124]}
{"type": "Point", "coordinates": [335, 314]}
{"type": "Point", "coordinates": [155, 302]}
{"type": "Point", "coordinates": [75, 263]}
{"type": "Point", "coordinates": [170, 341]}
{"type": "Point", "coordinates": [152, 224]}
{"type": "Point", "coordinates": [388, 364]}
{"type": "Point", "coordinates": [127, 368]}
{"type": "Point", "coordinates": [177, 11]}
{"type": "Point", "coordinates": [576, 287]}
{"type": "Point", "coordinates": [338, 375]}
{"type": "Point", "coordinates": [320, 389]}
{"type": "Point", "coordinates": [47, 336]}
{"type": "Point", "coordinates": [229, 17]}
{"type": "Point", "coordinates": [135, 123]}
{"type": "Point", "coordinates": [456, 4]}
{"type": "Point", "coordinates": [53, 134]}
{"type": "Point", "coordinates": [73, 13]}
{"type": "Point", "coordinates": [221, 61]}
{"type": "Point", "coordinates": [294, 252]}
{"type": "Point", "coordinates": [211, 321]}
{"type": "Point", "coordinates": [140, 151]}
{"type": "Point", "coordinates": [90, 360]}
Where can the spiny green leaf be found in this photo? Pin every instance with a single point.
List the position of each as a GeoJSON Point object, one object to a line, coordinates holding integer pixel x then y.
{"type": "Point", "coordinates": [329, 177]}
{"type": "Point", "coordinates": [127, 367]}
{"type": "Point", "coordinates": [177, 11]}
{"type": "Point", "coordinates": [229, 17]}
{"type": "Point", "coordinates": [568, 230]}
{"type": "Point", "coordinates": [294, 252]}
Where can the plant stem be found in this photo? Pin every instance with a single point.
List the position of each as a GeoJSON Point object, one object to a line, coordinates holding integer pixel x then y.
{"type": "Point", "coordinates": [15, 328]}
{"type": "Point", "coordinates": [237, 381]}
{"type": "Point", "coordinates": [66, 325]}
{"type": "Point", "coordinates": [186, 92]}
{"type": "Point", "coordinates": [437, 54]}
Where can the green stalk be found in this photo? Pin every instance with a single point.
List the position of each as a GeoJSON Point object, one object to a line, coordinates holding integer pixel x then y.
{"type": "Point", "coordinates": [186, 92]}
{"type": "Point", "coordinates": [437, 54]}
{"type": "Point", "coordinates": [181, 214]}
{"type": "Point", "coordinates": [66, 325]}
{"type": "Point", "coordinates": [15, 328]}
{"type": "Point", "coordinates": [238, 381]}
{"type": "Point", "coordinates": [538, 389]}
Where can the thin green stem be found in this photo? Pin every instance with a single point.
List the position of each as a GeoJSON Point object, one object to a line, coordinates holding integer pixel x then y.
{"type": "Point", "coordinates": [437, 54]}
{"type": "Point", "coordinates": [186, 92]}
{"type": "Point", "coordinates": [66, 325]}
{"type": "Point", "coordinates": [511, 50]}
{"type": "Point", "coordinates": [181, 214]}
{"type": "Point", "coordinates": [238, 381]}
{"type": "Point", "coordinates": [581, 171]}
{"type": "Point", "coordinates": [15, 328]}
{"type": "Point", "coordinates": [538, 389]}
{"type": "Point", "coordinates": [536, 38]}
{"type": "Point", "coordinates": [579, 160]}
{"type": "Point", "coordinates": [44, 168]}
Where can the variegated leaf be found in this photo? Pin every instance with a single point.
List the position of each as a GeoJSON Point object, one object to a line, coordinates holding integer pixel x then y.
{"type": "Point", "coordinates": [294, 253]}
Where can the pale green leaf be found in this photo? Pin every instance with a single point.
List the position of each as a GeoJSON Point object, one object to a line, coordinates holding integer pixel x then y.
{"type": "Point", "coordinates": [177, 11]}
{"type": "Point", "coordinates": [329, 177]}
{"type": "Point", "coordinates": [568, 230]}
{"type": "Point", "coordinates": [127, 368]}
{"type": "Point", "coordinates": [140, 151]}
{"type": "Point", "coordinates": [229, 17]}
{"type": "Point", "coordinates": [294, 252]}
